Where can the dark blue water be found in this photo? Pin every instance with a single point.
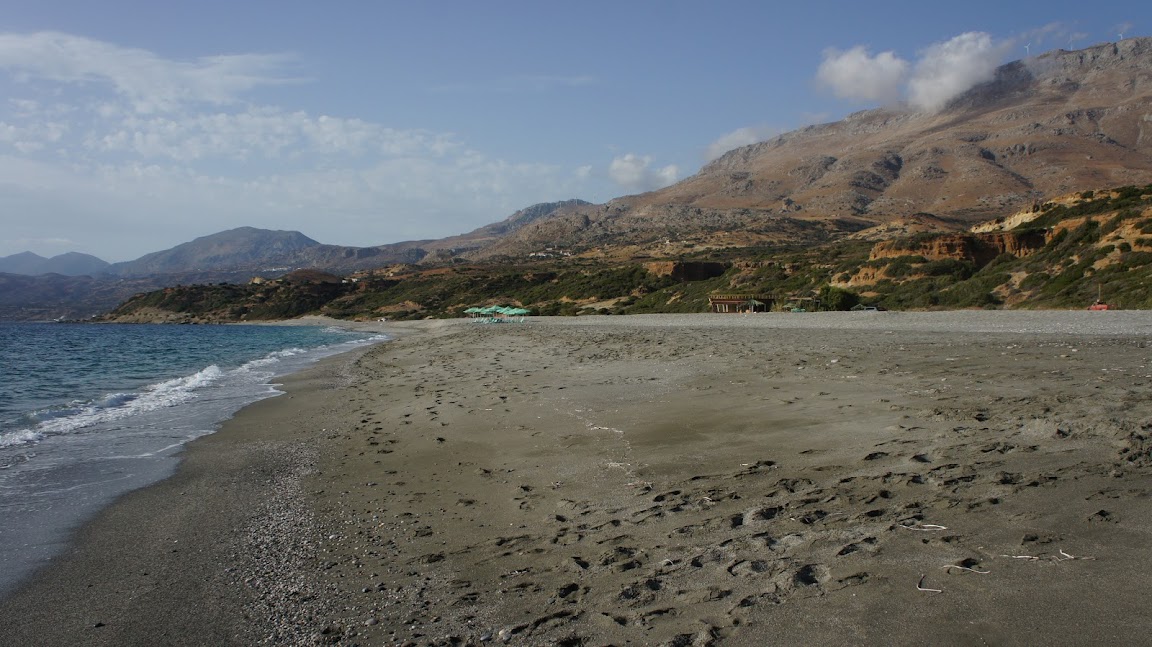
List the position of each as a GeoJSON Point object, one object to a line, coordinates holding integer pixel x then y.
{"type": "Point", "coordinates": [89, 412]}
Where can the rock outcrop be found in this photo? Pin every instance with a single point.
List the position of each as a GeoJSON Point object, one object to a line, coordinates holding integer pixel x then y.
{"type": "Point", "coordinates": [976, 248]}
{"type": "Point", "coordinates": [685, 270]}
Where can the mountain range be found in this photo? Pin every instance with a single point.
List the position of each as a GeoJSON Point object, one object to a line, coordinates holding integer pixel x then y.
{"type": "Point", "coordinates": [1054, 124]}
{"type": "Point", "coordinates": [69, 264]}
{"type": "Point", "coordinates": [38, 289]}
{"type": "Point", "coordinates": [253, 251]}
{"type": "Point", "coordinates": [1057, 123]}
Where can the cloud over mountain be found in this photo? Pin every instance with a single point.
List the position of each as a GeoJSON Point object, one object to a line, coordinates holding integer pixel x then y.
{"type": "Point", "coordinates": [635, 173]}
{"type": "Point", "coordinates": [941, 72]}
{"type": "Point", "coordinates": [945, 70]}
{"type": "Point", "coordinates": [737, 138]}
{"type": "Point", "coordinates": [857, 75]}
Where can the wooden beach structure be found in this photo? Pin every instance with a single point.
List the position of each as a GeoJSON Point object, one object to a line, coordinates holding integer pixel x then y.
{"type": "Point", "coordinates": [740, 303]}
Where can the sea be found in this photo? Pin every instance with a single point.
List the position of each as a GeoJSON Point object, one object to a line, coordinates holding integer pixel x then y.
{"type": "Point", "coordinates": [89, 412]}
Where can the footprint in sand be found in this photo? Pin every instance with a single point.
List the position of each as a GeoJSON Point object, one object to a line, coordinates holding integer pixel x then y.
{"type": "Point", "coordinates": [1103, 516]}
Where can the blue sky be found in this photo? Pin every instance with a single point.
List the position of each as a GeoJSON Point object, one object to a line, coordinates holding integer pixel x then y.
{"type": "Point", "coordinates": [129, 126]}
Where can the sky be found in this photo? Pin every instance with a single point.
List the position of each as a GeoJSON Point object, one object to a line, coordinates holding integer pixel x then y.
{"type": "Point", "coordinates": [131, 126]}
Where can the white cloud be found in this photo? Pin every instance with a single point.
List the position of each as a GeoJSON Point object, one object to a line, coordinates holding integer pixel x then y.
{"type": "Point", "coordinates": [33, 136]}
{"type": "Point", "coordinates": [150, 83]}
{"type": "Point", "coordinates": [667, 175]}
{"type": "Point", "coordinates": [635, 173]}
{"type": "Point", "coordinates": [1035, 41]}
{"type": "Point", "coordinates": [859, 76]}
{"type": "Point", "coordinates": [42, 242]}
{"type": "Point", "coordinates": [137, 207]}
{"type": "Point", "coordinates": [942, 71]}
{"type": "Point", "coordinates": [266, 133]}
{"type": "Point", "coordinates": [1039, 35]}
{"type": "Point", "coordinates": [386, 190]}
{"type": "Point", "coordinates": [737, 138]}
{"type": "Point", "coordinates": [131, 153]}
{"type": "Point", "coordinates": [945, 70]}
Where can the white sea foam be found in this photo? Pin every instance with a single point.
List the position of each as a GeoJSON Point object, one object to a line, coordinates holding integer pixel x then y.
{"type": "Point", "coordinates": [113, 407]}
{"type": "Point", "coordinates": [149, 454]}
{"type": "Point", "coordinates": [272, 358]}
{"type": "Point", "coordinates": [115, 400]}
{"type": "Point", "coordinates": [21, 437]}
{"type": "Point", "coordinates": [116, 406]}
{"type": "Point", "coordinates": [117, 434]}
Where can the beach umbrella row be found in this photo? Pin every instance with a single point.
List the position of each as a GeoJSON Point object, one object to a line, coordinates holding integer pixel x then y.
{"type": "Point", "coordinates": [508, 311]}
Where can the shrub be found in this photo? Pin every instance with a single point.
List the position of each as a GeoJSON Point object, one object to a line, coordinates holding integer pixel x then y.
{"type": "Point", "coordinates": [901, 266]}
{"type": "Point", "coordinates": [833, 298]}
{"type": "Point", "coordinates": [1034, 280]}
{"type": "Point", "coordinates": [959, 270]}
{"type": "Point", "coordinates": [1136, 259]}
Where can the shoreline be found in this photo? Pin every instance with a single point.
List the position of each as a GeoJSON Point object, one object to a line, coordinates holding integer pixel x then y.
{"type": "Point", "coordinates": [180, 583]}
{"type": "Point", "coordinates": [51, 595]}
{"type": "Point", "coordinates": [59, 474]}
{"type": "Point", "coordinates": [619, 480]}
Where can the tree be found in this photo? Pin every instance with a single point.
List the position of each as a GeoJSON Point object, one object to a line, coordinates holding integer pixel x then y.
{"type": "Point", "coordinates": [834, 298]}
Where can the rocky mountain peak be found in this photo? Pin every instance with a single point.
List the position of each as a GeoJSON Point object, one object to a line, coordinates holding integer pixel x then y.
{"type": "Point", "coordinates": [1050, 125]}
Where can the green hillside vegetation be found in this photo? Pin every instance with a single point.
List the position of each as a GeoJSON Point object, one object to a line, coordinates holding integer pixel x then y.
{"type": "Point", "coordinates": [1098, 244]}
{"type": "Point", "coordinates": [547, 289]}
{"type": "Point", "coordinates": [228, 302]}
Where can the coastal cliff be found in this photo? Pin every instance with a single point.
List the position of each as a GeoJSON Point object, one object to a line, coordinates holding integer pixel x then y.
{"type": "Point", "coordinates": [977, 248]}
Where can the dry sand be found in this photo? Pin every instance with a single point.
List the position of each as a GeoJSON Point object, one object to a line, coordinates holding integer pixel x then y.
{"type": "Point", "coordinates": [867, 478]}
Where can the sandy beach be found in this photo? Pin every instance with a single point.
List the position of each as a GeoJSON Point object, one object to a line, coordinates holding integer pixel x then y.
{"type": "Point", "coordinates": [967, 478]}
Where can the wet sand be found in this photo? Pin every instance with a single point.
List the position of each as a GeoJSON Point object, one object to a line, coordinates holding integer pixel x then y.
{"type": "Point", "coordinates": [857, 478]}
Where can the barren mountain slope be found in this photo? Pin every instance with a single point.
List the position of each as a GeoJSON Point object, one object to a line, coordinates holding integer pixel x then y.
{"type": "Point", "coordinates": [1059, 122]}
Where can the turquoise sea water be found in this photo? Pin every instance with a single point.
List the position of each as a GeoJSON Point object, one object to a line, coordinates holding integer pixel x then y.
{"type": "Point", "coordinates": [89, 412]}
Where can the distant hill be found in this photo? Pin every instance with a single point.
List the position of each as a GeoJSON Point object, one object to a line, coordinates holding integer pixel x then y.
{"type": "Point", "coordinates": [36, 289]}
{"type": "Point", "coordinates": [240, 247]}
{"type": "Point", "coordinates": [69, 264]}
{"type": "Point", "coordinates": [55, 296]}
{"type": "Point", "coordinates": [477, 240]}
{"type": "Point", "coordinates": [265, 252]}
{"type": "Point", "coordinates": [270, 252]}
{"type": "Point", "coordinates": [523, 218]}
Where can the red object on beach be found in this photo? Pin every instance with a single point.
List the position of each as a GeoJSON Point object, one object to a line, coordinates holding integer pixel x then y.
{"type": "Point", "coordinates": [1099, 305]}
